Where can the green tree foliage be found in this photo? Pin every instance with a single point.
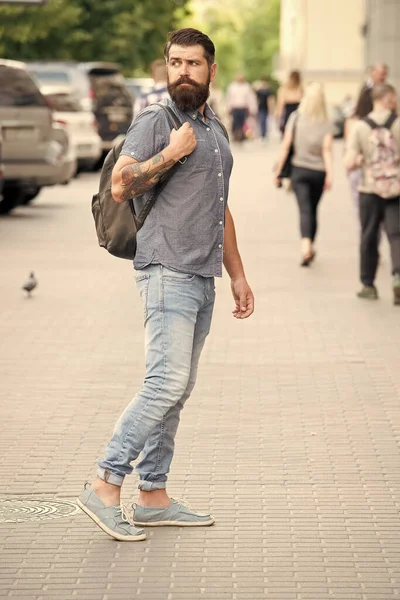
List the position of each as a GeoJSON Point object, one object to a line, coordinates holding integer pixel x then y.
{"type": "Point", "coordinates": [245, 33]}
{"type": "Point", "coordinates": [131, 32]}
{"type": "Point", "coordinates": [260, 39]}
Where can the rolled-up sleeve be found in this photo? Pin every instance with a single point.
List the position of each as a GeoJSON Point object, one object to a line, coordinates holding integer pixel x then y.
{"type": "Point", "coordinates": [148, 135]}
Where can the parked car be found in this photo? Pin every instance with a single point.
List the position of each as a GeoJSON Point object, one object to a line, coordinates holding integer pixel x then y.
{"type": "Point", "coordinates": [80, 125]}
{"type": "Point", "coordinates": [100, 88]}
{"type": "Point", "coordinates": [35, 154]}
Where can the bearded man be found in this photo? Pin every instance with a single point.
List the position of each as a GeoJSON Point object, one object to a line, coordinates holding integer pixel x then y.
{"type": "Point", "coordinates": [187, 236]}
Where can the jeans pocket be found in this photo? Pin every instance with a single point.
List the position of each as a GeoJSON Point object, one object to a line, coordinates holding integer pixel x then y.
{"type": "Point", "coordinates": [170, 276]}
{"type": "Point", "coordinates": [142, 282]}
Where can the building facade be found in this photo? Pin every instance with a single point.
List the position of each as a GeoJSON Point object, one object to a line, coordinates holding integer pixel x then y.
{"type": "Point", "coordinates": [335, 41]}
{"type": "Point", "coordinates": [382, 36]}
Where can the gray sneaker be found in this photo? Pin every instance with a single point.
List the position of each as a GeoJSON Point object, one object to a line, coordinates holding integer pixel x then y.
{"type": "Point", "coordinates": [111, 519]}
{"type": "Point", "coordinates": [175, 514]}
{"type": "Point", "coordinates": [368, 292]}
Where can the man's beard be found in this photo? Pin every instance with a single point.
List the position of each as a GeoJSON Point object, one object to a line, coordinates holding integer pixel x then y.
{"type": "Point", "coordinates": [190, 97]}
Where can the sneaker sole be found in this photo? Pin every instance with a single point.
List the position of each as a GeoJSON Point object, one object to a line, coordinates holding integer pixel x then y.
{"type": "Point", "coordinates": [175, 523]}
{"type": "Point", "coordinates": [110, 532]}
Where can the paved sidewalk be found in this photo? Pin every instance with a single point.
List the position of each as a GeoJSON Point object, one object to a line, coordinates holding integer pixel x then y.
{"type": "Point", "coordinates": [291, 437]}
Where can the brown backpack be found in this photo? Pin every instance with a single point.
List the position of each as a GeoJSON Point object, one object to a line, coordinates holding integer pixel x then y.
{"type": "Point", "coordinates": [117, 224]}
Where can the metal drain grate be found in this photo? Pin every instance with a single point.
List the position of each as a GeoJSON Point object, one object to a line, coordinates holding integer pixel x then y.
{"type": "Point", "coordinates": [19, 511]}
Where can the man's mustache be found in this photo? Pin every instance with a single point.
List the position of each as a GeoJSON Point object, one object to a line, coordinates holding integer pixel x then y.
{"type": "Point", "coordinates": [185, 80]}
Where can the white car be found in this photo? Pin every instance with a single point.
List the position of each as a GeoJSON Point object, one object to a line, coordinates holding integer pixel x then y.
{"type": "Point", "coordinates": [80, 125]}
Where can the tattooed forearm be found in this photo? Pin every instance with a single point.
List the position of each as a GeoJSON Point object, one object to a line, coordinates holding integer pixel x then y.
{"type": "Point", "coordinates": [138, 178]}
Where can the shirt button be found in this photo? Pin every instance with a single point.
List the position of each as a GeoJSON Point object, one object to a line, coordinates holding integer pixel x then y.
{"type": "Point", "coordinates": [221, 199]}
{"type": "Point", "coordinates": [220, 222]}
{"type": "Point", "coordinates": [219, 245]}
{"type": "Point", "coordinates": [216, 150]}
{"type": "Point", "coordinates": [208, 129]}
{"type": "Point", "coordinates": [219, 174]}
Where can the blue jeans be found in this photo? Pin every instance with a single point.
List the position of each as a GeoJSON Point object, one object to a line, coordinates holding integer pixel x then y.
{"type": "Point", "coordinates": [178, 309]}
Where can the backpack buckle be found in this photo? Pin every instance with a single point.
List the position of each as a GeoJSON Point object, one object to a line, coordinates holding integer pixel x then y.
{"type": "Point", "coordinates": [183, 160]}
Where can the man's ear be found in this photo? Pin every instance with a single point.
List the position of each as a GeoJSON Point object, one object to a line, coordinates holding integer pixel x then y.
{"type": "Point", "coordinates": [213, 72]}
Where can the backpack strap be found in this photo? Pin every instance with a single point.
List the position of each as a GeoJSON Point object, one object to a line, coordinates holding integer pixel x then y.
{"type": "Point", "coordinates": [387, 125]}
{"type": "Point", "coordinates": [224, 130]}
{"type": "Point", "coordinates": [371, 123]}
{"type": "Point", "coordinates": [390, 121]}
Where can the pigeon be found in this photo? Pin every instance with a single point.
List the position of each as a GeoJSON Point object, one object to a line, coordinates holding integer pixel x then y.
{"type": "Point", "coordinates": [30, 284]}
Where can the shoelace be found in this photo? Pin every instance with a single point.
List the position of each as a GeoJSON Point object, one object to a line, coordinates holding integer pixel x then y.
{"type": "Point", "coordinates": [123, 510]}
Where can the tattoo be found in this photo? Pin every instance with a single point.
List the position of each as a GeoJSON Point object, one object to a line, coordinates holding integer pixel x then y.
{"type": "Point", "coordinates": [141, 177]}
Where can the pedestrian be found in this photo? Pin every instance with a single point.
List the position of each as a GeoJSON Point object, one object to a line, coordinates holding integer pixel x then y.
{"type": "Point", "coordinates": [288, 99]}
{"type": "Point", "coordinates": [265, 99]}
{"type": "Point", "coordinates": [310, 131]}
{"type": "Point", "coordinates": [159, 91]}
{"type": "Point", "coordinates": [186, 237]}
{"type": "Point", "coordinates": [374, 145]}
{"type": "Point", "coordinates": [362, 109]}
{"type": "Point", "coordinates": [216, 101]}
{"type": "Point", "coordinates": [376, 74]}
{"type": "Point", "coordinates": [241, 103]}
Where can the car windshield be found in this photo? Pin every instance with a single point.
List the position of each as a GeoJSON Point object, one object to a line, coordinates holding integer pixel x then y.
{"type": "Point", "coordinates": [63, 102]}
{"type": "Point", "coordinates": [18, 89]}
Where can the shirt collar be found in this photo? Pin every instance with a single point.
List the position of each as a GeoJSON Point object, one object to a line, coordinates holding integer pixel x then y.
{"type": "Point", "coordinates": [195, 114]}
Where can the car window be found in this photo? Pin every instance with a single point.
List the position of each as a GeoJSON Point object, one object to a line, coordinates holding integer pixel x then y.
{"type": "Point", "coordinates": [50, 76]}
{"type": "Point", "coordinates": [109, 90]}
{"type": "Point", "coordinates": [63, 102]}
{"type": "Point", "coordinates": [18, 89]}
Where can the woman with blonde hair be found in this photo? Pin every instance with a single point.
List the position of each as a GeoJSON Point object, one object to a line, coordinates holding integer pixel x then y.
{"type": "Point", "coordinates": [310, 131]}
{"type": "Point", "coordinates": [288, 99]}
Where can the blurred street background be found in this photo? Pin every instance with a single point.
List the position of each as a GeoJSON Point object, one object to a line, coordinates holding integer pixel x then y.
{"type": "Point", "coordinates": [291, 438]}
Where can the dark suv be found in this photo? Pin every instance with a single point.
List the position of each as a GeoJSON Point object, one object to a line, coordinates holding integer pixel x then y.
{"type": "Point", "coordinates": [100, 87]}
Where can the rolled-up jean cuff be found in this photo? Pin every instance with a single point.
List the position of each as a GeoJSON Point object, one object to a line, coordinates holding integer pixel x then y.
{"type": "Point", "coordinates": [109, 477]}
{"type": "Point", "coordinates": [149, 486]}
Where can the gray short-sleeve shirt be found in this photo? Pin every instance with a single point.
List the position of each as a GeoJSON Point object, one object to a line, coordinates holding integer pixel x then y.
{"type": "Point", "coordinates": [184, 230]}
{"type": "Point", "coordinates": [308, 141]}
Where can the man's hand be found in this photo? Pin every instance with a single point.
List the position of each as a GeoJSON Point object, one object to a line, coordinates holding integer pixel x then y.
{"type": "Point", "coordinates": [244, 299]}
{"type": "Point", "coordinates": [182, 141]}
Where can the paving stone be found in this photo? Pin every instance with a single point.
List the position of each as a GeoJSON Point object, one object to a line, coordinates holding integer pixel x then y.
{"type": "Point", "coordinates": [291, 436]}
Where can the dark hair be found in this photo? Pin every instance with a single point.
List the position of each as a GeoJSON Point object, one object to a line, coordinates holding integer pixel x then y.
{"type": "Point", "coordinates": [191, 37]}
{"type": "Point", "coordinates": [364, 104]}
{"type": "Point", "coordinates": [294, 79]}
{"type": "Point", "coordinates": [381, 90]}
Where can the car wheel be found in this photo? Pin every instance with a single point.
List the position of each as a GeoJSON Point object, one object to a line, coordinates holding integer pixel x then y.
{"type": "Point", "coordinates": [30, 195]}
{"type": "Point", "coordinates": [12, 197]}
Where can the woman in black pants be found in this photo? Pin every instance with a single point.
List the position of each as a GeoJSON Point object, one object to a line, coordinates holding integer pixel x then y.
{"type": "Point", "coordinates": [310, 130]}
